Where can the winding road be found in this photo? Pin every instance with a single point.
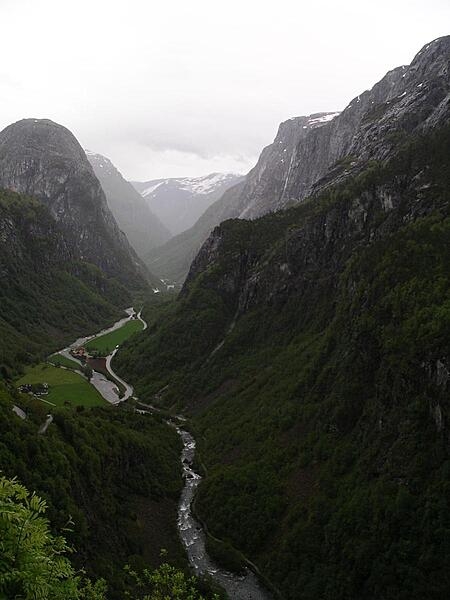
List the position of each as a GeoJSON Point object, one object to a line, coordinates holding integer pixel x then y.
{"type": "Point", "coordinates": [43, 428]}
{"type": "Point", "coordinates": [128, 388]}
{"type": "Point", "coordinates": [107, 388]}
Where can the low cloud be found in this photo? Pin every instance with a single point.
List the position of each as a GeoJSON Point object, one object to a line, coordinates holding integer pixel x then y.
{"type": "Point", "coordinates": [188, 88]}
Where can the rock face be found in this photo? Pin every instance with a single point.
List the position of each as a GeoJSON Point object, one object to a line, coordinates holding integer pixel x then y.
{"type": "Point", "coordinates": [179, 202]}
{"type": "Point", "coordinates": [311, 257]}
{"type": "Point", "coordinates": [307, 149]}
{"type": "Point", "coordinates": [303, 160]}
{"type": "Point", "coordinates": [47, 295]}
{"type": "Point", "coordinates": [312, 152]}
{"type": "Point", "coordinates": [267, 185]}
{"type": "Point", "coordinates": [44, 160]}
{"type": "Point", "coordinates": [142, 227]}
{"type": "Point", "coordinates": [19, 232]}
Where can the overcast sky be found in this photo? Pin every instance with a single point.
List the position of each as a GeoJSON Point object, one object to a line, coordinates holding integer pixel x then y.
{"type": "Point", "coordinates": [186, 87]}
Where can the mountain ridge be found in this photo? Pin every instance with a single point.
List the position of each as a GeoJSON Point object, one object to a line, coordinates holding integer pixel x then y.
{"type": "Point", "coordinates": [310, 348]}
{"type": "Point", "coordinates": [48, 297]}
{"type": "Point", "coordinates": [43, 159]}
{"type": "Point", "coordinates": [143, 228]}
{"type": "Point", "coordinates": [180, 201]}
{"type": "Point", "coordinates": [307, 154]}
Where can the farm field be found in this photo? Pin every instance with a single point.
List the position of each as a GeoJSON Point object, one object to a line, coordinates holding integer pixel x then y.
{"type": "Point", "coordinates": [58, 359]}
{"type": "Point", "coordinates": [105, 344]}
{"type": "Point", "coordinates": [64, 386]}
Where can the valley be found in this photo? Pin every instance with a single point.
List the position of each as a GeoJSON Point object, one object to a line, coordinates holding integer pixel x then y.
{"type": "Point", "coordinates": [73, 377]}
{"type": "Point", "coordinates": [229, 387]}
{"type": "Point", "coordinates": [67, 387]}
{"type": "Point", "coordinates": [238, 586]}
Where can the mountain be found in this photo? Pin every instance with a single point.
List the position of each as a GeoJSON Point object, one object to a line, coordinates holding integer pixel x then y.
{"type": "Point", "coordinates": [143, 229]}
{"type": "Point", "coordinates": [179, 202]}
{"type": "Point", "coordinates": [310, 346]}
{"type": "Point", "coordinates": [172, 260]}
{"type": "Point", "coordinates": [66, 270]}
{"type": "Point", "coordinates": [48, 297]}
{"type": "Point", "coordinates": [307, 150]}
{"type": "Point", "coordinates": [44, 160]}
{"type": "Point", "coordinates": [65, 267]}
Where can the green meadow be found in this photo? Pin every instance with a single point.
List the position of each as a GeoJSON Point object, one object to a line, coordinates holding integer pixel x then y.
{"type": "Point", "coordinates": [64, 386]}
{"type": "Point", "coordinates": [105, 344]}
{"type": "Point", "coordinates": [63, 361]}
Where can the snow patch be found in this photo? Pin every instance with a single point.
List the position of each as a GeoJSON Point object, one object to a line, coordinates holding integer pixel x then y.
{"type": "Point", "coordinates": [206, 184]}
{"type": "Point", "coordinates": [195, 185]}
{"type": "Point", "coordinates": [323, 119]}
{"type": "Point", "coordinates": [152, 188]}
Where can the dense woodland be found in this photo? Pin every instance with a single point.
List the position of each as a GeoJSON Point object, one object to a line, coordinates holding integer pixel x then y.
{"type": "Point", "coordinates": [111, 480]}
{"type": "Point", "coordinates": [322, 418]}
{"type": "Point", "coordinates": [35, 563]}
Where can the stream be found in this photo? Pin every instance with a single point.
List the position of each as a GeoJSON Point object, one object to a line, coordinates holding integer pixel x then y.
{"type": "Point", "coordinates": [238, 587]}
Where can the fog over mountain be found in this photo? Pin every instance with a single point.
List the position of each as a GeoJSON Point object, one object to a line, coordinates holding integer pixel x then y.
{"type": "Point", "coordinates": [133, 215]}
{"type": "Point", "coordinates": [183, 89]}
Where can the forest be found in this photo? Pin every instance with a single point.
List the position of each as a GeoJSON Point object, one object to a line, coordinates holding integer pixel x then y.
{"type": "Point", "coordinates": [110, 479]}
{"type": "Point", "coordinates": [320, 417]}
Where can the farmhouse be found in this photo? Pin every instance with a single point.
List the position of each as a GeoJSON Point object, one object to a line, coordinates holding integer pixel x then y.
{"type": "Point", "coordinates": [80, 353]}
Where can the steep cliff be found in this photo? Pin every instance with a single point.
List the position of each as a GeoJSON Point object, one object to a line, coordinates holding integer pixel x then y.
{"type": "Point", "coordinates": [42, 159]}
{"type": "Point", "coordinates": [408, 99]}
{"type": "Point", "coordinates": [142, 227]}
{"type": "Point", "coordinates": [48, 297]}
{"type": "Point", "coordinates": [312, 152]}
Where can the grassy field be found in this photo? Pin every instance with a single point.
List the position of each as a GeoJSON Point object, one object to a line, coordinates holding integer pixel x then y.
{"type": "Point", "coordinates": [64, 386]}
{"type": "Point", "coordinates": [58, 359]}
{"type": "Point", "coordinates": [106, 343]}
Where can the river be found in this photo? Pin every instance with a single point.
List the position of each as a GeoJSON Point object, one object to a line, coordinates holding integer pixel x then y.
{"type": "Point", "coordinates": [238, 587]}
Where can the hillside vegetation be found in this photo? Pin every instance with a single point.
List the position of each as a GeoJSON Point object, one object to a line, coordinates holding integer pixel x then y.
{"type": "Point", "coordinates": [116, 475]}
{"type": "Point", "coordinates": [311, 347]}
{"type": "Point", "coordinates": [34, 563]}
{"type": "Point", "coordinates": [47, 299]}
